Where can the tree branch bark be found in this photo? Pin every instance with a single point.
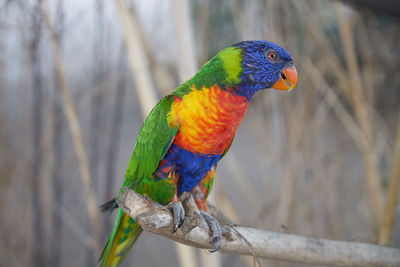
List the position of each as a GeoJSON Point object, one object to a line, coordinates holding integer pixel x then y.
{"type": "Point", "coordinates": [157, 219]}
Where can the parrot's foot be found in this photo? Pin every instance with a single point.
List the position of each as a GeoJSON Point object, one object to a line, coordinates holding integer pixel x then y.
{"type": "Point", "coordinates": [215, 229]}
{"type": "Point", "coordinates": [178, 212]}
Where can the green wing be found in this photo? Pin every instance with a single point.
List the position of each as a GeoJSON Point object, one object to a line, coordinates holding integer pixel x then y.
{"type": "Point", "coordinates": [153, 140]}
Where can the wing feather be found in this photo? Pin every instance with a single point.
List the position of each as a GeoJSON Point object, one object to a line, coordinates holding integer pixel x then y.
{"type": "Point", "coordinates": [153, 140]}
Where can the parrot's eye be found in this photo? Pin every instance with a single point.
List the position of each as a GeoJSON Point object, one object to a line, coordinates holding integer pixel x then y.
{"type": "Point", "coordinates": [271, 56]}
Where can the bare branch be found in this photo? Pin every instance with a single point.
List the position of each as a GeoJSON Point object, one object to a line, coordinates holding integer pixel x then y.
{"type": "Point", "coordinates": [155, 218]}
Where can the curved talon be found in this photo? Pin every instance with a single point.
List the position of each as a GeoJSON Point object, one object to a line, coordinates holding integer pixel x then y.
{"type": "Point", "coordinates": [178, 212]}
{"type": "Point", "coordinates": [215, 228]}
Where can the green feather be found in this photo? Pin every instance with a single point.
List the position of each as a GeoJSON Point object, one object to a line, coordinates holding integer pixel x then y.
{"type": "Point", "coordinates": [223, 69]}
{"type": "Point", "coordinates": [153, 140]}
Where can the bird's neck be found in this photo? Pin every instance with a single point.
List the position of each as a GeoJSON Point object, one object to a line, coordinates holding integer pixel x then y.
{"type": "Point", "coordinates": [223, 70]}
{"type": "Point", "coordinates": [247, 89]}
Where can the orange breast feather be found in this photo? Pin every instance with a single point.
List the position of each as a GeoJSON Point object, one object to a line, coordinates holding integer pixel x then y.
{"type": "Point", "coordinates": [207, 119]}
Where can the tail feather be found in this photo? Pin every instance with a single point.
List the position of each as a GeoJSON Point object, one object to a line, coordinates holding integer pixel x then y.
{"type": "Point", "coordinates": [109, 205]}
{"type": "Point", "coordinates": [125, 233]}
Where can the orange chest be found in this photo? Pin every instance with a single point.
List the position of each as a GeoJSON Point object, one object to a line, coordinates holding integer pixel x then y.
{"type": "Point", "coordinates": [207, 119]}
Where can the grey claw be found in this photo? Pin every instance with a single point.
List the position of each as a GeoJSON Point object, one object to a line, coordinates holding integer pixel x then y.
{"type": "Point", "coordinates": [216, 239]}
{"type": "Point", "coordinates": [178, 212]}
{"type": "Point", "coordinates": [176, 226]}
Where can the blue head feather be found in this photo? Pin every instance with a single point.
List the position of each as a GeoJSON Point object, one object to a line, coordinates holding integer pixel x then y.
{"type": "Point", "coordinates": [258, 72]}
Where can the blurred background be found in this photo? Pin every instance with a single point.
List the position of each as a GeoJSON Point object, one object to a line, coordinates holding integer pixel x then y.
{"type": "Point", "coordinates": [78, 77]}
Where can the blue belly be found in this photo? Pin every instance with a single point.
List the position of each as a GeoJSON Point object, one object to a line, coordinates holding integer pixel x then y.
{"type": "Point", "coordinates": [190, 167]}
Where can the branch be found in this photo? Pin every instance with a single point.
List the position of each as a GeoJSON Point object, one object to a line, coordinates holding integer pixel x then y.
{"type": "Point", "coordinates": [157, 219]}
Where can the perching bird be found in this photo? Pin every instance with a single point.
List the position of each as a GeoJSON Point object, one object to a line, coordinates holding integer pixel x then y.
{"type": "Point", "coordinates": [190, 130]}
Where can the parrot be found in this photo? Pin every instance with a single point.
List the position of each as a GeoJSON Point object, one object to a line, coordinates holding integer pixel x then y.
{"type": "Point", "coordinates": [188, 131]}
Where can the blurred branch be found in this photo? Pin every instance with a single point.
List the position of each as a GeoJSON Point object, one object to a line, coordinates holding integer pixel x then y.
{"type": "Point", "coordinates": [243, 240]}
{"type": "Point", "coordinates": [73, 124]}
{"type": "Point", "coordinates": [187, 64]}
{"type": "Point", "coordinates": [334, 101]}
{"type": "Point", "coordinates": [113, 145]}
{"type": "Point", "coordinates": [293, 159]}
{"type": "Point", "coordinates": [350, 83]}
{"type": "Point", "coordinates": [38, 211]}
{"type": "Point", "coordinates": [57, 173]}
{"type": "Point", "coordinates": [362, 114]}
{"type": "Point", "coordinates": [316, 32]}
{"type": "Point", "coordinates": [389, 212]}
{"type": "Point", "coordinates": [138, 61]}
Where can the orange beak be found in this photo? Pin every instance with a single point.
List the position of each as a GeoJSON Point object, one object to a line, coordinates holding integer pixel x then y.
{"type": "Point", "coordinates": [287, 79]}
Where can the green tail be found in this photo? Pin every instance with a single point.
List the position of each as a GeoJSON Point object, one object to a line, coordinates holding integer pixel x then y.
{"type": "Point", "coordinates": [122, 238]}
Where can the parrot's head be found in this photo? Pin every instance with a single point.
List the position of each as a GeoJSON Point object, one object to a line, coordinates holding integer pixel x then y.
{"type": "Point", "coordinates": [264, 65]}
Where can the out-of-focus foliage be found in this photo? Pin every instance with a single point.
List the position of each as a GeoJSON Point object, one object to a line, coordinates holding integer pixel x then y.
{"type": "Point", "coordinates": [314, 161]}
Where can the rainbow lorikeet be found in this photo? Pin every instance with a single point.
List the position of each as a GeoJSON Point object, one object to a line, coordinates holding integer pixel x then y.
{"type": "Point", "coordinates": [190, 130]}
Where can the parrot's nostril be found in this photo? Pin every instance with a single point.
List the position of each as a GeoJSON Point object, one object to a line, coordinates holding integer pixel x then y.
{"type": "Point", "coordinates": [283, 76]}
